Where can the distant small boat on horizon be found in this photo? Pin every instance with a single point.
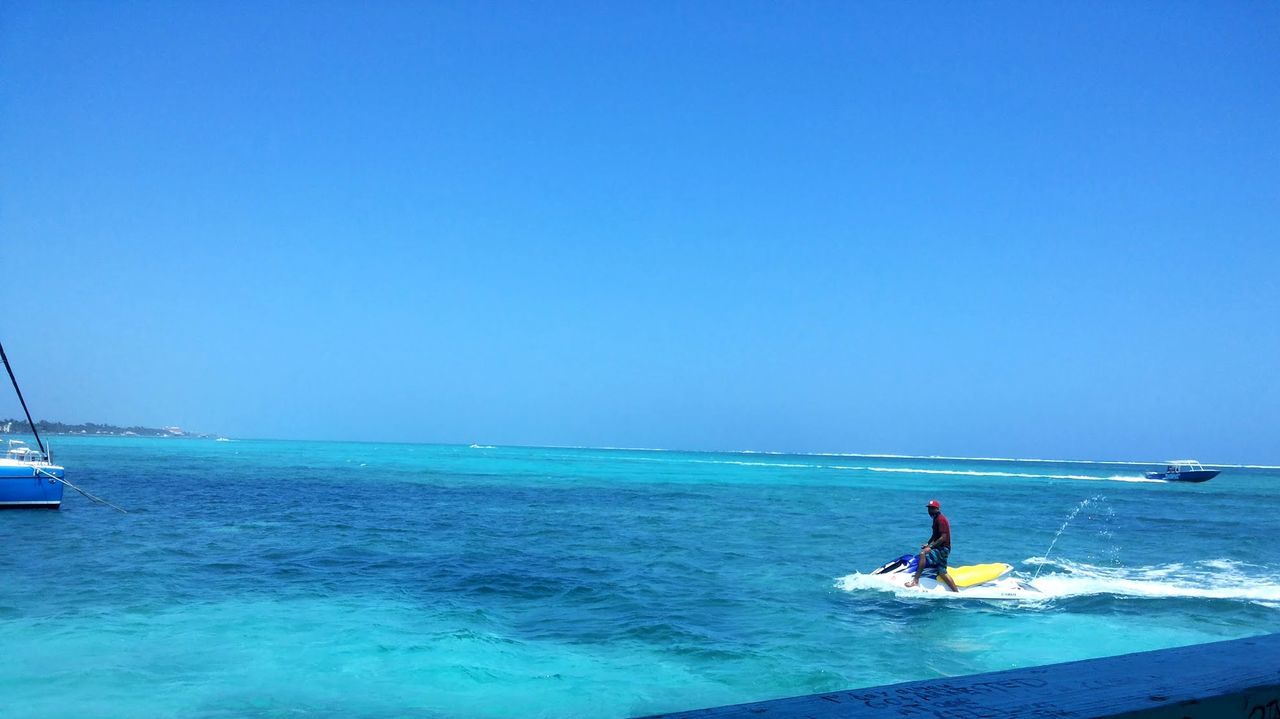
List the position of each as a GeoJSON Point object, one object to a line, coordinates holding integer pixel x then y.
{"type": "Point", "coordinates": [1184, 470]}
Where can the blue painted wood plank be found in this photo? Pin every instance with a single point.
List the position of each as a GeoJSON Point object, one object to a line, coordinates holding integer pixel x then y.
{"type": "Point", "coordinates": [1232, 679]}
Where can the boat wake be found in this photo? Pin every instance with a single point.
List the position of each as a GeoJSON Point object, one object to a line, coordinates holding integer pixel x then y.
{"type": "Point", "coordinates": [1136, 478]}
{"type": "Point", "coordinates": [1210, 579]}
{"type": "Point", "coordinates": [1026, 475]}
{"type": "Point", "coordinates": [1218, 579]}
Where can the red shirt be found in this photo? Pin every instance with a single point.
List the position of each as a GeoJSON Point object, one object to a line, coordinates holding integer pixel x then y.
{"type": "Point", "coordinates": [941, 532]}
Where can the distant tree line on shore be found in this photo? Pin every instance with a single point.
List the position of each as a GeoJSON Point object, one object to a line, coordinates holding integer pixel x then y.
{"type": "Point", "coordinates": [20, 426]}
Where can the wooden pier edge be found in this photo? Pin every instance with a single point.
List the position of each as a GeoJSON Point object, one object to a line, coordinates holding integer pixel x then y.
{"type": "Point", "coordinates": [1236, 679]}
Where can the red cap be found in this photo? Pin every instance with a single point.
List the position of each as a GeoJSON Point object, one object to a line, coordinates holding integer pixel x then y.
{"type": "Point", "coordinates": [933, 504]}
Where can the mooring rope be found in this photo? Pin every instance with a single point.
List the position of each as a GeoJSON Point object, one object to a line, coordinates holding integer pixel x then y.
{"type": "Point", "coordinates": [99, 500]}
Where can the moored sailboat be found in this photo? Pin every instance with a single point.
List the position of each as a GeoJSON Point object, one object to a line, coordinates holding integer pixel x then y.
{"type": "Point", "coordinates": [28, 477]}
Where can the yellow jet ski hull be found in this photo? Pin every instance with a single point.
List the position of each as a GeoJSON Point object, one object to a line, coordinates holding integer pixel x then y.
{"type": "Point", "coordinates": [973, 574]}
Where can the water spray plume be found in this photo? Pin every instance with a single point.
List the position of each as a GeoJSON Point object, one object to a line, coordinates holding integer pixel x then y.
{"type": "Point", "coordinates": [1074, 512]}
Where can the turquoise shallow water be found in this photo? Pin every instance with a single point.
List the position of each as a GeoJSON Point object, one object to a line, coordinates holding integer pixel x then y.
{"type": "Point", "coordinates": [258, 578]}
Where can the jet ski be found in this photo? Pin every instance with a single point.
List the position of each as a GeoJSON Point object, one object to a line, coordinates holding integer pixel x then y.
{"type": "Point", "coordinates": [975, 581]}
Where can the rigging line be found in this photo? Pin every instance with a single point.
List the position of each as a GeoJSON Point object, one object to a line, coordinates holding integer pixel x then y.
{"type": "Point", "coordinates": [99, 500]}
{"type": "Point", "coordinates": [17, 389]}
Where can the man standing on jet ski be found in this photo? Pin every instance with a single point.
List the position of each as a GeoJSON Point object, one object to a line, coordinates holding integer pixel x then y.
{"type": "Point", "coordinates": [937, 548]}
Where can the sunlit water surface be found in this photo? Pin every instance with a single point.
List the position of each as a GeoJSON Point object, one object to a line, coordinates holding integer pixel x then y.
{"type": "Point", "coordinates": [263, 579]}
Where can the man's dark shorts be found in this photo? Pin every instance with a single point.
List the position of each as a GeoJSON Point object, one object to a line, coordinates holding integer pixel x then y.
{"type": "Point", "coordinates": [937, 557]}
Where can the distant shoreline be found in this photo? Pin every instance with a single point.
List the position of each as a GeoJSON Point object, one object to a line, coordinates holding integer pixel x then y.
{"type": "Point", "coordinates": [93, 429]}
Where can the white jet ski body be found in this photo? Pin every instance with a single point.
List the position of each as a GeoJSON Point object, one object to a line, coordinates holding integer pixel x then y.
{"type": "Point", "coordinates": [977, 581]}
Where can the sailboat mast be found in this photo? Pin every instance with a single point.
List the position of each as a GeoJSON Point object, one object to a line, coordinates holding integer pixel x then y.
{"type": "Point", "coordinates": [17, 389]}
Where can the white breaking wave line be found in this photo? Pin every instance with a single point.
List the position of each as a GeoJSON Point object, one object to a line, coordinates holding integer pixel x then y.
{"type": "Point", "coordinates": [974, 473]}
{"type": "Point", "coordinates": [896, 470]}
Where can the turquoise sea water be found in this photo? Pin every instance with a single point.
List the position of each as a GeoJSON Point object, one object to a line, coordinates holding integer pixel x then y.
{"type": "Point", "coordinates": [262, 578]}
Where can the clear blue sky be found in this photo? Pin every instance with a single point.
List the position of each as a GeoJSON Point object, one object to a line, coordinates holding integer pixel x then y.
{"type": "Point", "coordinates": [992, 229]}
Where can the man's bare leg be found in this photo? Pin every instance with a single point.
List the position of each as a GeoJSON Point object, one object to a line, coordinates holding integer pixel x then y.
{"type": "Point", "coordinates": [950, 582]}
{"type": "Point", "coordinates": [919, 568]}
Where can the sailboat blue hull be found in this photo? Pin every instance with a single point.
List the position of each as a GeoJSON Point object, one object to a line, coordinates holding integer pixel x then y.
{"type": "Point", "coordinates": [23, 488]}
